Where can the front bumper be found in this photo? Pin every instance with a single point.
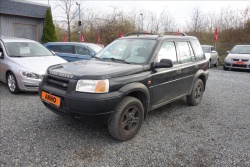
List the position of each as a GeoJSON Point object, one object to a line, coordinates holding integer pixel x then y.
{"type": "Point", "coordinates": [28, 84]}
{"type": "Point", "coordinates": [87, 107]}
{"type": "Point", "coordinates": [230, 64]}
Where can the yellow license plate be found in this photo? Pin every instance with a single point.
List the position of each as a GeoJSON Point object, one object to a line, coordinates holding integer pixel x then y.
{"type": "Point", "coordinates": [51, 99]}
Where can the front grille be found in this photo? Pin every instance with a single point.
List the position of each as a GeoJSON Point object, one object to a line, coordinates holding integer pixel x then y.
{"type": "Point", "coordinates": [227, 64]}
{"type": "Point", "coordinates": [57, 82]}
{"type": "Point", "coordinates": [245, 60]}
{"type": "Point", "coordinates": [238, 65]}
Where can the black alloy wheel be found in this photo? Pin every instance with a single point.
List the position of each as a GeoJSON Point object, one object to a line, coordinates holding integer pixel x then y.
{"type": "Point", "coordinates": [195, 97]}
{"type": "Point", "coordinates": [127, 119]}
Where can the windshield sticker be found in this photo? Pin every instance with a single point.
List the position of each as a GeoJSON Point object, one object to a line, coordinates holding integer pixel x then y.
{"type": "Point", "coordinates": [24, 50]}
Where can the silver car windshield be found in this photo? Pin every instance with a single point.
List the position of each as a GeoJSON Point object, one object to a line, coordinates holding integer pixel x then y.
{"type": "Point", "coordinates": [241, 49]}
{"type": "Point", "coordinates": [135, 51]}
{"type": "Point", "coordinates": [26, 49]}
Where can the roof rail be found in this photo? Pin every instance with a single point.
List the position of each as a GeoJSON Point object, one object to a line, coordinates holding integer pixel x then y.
{"type": "Point", "coordinates": [138, 33]}
{"type": "Point", "coordinates": [175, 33]}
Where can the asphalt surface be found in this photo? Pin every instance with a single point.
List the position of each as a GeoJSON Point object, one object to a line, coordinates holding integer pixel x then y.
{"type": "Point", "coordinates": [215, 133]}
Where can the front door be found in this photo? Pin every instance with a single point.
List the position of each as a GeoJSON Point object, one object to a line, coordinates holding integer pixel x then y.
{"type": "Point", "coordinates": [1, 63]}
{"type": "Point", "coordinates": [166, 82]}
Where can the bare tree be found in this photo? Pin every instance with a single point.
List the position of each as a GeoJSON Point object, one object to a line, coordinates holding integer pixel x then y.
{"type": "Point", "coordinates": [199, 22]}
{"type": "Point", "coordinates": [68, 12]}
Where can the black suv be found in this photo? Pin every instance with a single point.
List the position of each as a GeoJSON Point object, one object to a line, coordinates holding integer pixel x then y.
{"type": "Point", "coordinates": [130, 77]}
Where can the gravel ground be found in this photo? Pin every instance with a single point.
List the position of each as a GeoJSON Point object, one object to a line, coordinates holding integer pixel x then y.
{"type": "Point", "coordinates": [215, 133]}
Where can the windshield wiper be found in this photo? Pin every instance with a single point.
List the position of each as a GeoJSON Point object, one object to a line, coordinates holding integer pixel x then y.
{"type": "Point", "coordinates": [117, 60]}
{"type": "Point", "coordinates": [98, 58]}
{"type": "Point", "coordinates": [15, 56]}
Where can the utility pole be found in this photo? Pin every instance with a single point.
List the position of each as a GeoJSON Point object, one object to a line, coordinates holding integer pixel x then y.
{"type": "Point", "coordinates": [141, 22]}
{"type": "Point", "coordinates": [79, 21]}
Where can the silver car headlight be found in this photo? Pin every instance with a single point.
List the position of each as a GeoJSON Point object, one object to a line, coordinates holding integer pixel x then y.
{"type": "Point", "coordinates": [29, 74]}
{"type": "Point", "coordinates": [93, 86]}
{"type": "Point", "coordinates": [229, 59]}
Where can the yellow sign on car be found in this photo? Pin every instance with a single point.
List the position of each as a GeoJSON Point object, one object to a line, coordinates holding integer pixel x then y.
{"type": "Point", "coordinates": [51, 99]}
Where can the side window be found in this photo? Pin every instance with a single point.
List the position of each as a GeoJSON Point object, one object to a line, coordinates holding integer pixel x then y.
{"type": "Point", "coordinates": [191, 51]}
{"type": "Point", "coordinates": [65, 49]}
{"type": "Point", "coordinates": [212, 49]}
{"type": "Point", "coordinates": [167, 51]}
{"type": "Point", "coordinates": [51, 47]}
{"type": "Point", "coordinates": [198, 49]}
{"type": "Point", "coordinates": [82, 50]}
{"type": "Point", "coordinates": [185, 53]}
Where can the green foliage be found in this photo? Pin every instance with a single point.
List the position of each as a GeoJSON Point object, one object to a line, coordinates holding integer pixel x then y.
{"type": "Point", "coordinates": [49, 33]}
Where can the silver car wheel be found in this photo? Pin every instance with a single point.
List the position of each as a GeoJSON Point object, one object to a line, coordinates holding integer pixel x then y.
{"type": "Point", "coordinates": [11, 83]}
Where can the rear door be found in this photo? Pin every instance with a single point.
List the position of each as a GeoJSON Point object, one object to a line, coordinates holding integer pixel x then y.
{"type": "Point", "coordinates": [188, 65]}
{"type": "Point", "coordinates": [166, 82]}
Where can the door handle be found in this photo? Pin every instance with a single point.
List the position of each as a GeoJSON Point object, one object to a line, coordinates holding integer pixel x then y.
{"type": "Point", "coordinates": [179, 71]}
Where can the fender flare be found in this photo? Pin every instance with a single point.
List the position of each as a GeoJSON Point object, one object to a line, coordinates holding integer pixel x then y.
{"type": "Point", "coordinates": [198, 74]}
{"type": "Point", "coordinates": [136, 86]}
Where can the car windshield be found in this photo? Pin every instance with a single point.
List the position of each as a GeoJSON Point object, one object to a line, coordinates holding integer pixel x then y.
{"type": "Point", "coordinates": [95, 48]}
{"type": "Point", "coordinates": [206, 49]}
{"type": "Point", "coordinates": [241, 49]}
{"type": "Point", "coordinates": [128, 50]}
{"type": "Point", "coordinates": [26, 49]}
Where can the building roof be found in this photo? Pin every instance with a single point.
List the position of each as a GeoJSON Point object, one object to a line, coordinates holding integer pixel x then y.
{"type": "Point", "coordinates": [15, 39]}
{"type": "Point", "coordinates": [23, 8]}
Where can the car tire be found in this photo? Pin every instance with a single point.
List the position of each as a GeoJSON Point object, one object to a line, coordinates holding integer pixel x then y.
{"type": "Point", "coordinates": [12, 83]}
{"type": "Point", "coordinates": [217, 63]}
{"type": "Point", "coordinates": [225, 68]}
{"type": "Point", "coordinates": [127, 119]}
{"type": "Point", "coordinates": [197, 92]}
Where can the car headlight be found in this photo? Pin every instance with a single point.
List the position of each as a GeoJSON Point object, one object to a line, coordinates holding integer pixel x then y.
{"type": "Point", "coordinates": [229, 59]}
{"type": "Point", "coordinates": [93, 86]}
{"type": "Point", "coordinates": [29, 74]}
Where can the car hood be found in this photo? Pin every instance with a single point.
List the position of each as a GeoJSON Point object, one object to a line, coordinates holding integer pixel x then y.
{"type": "Point", "coordinates": [94, 69]}
{"type": "Point", "coordinates": [238, 56]}
{"type": "Point", "coordinates": [38, 64]}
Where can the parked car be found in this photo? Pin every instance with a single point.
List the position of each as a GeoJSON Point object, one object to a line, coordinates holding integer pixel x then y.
{"type": "Point", "coordinates": [23, 63]}
{"type": "Point", "coordinates": [238, 57]}
{"type": "Point", "coordinates": [211, 55]}
{"type": "Point", "coordinates": [123, 84]}
{"type": "Point", "coordinates": [73, 51]}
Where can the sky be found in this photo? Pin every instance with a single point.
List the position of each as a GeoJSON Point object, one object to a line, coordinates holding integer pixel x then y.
{"type": "Point", "coordinates": [180, 10]}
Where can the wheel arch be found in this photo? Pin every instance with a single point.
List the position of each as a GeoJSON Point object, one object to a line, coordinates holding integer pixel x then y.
{"type": "Point", "coordinates": [199, 75]}
{"type": "Point", "coordinates": [139, 91]}
{"type": "Point", "coordinates": [6, 74]}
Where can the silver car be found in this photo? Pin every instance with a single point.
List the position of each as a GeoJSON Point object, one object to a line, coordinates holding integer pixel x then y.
{"type": "Point", "coordinates": [211, 55]}
{"type": "Point", "coordinates": [238, 57]}
{"type": "Point", "coordinates": [23, 63]}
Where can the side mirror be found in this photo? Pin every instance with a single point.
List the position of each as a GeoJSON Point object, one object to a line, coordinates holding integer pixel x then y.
{"type": "Point", "coordinates": [213, 51]}
{"type": "Point", "coordinates": [228, 51]}
{"type": "Point", "coordinates": [164, 63]}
